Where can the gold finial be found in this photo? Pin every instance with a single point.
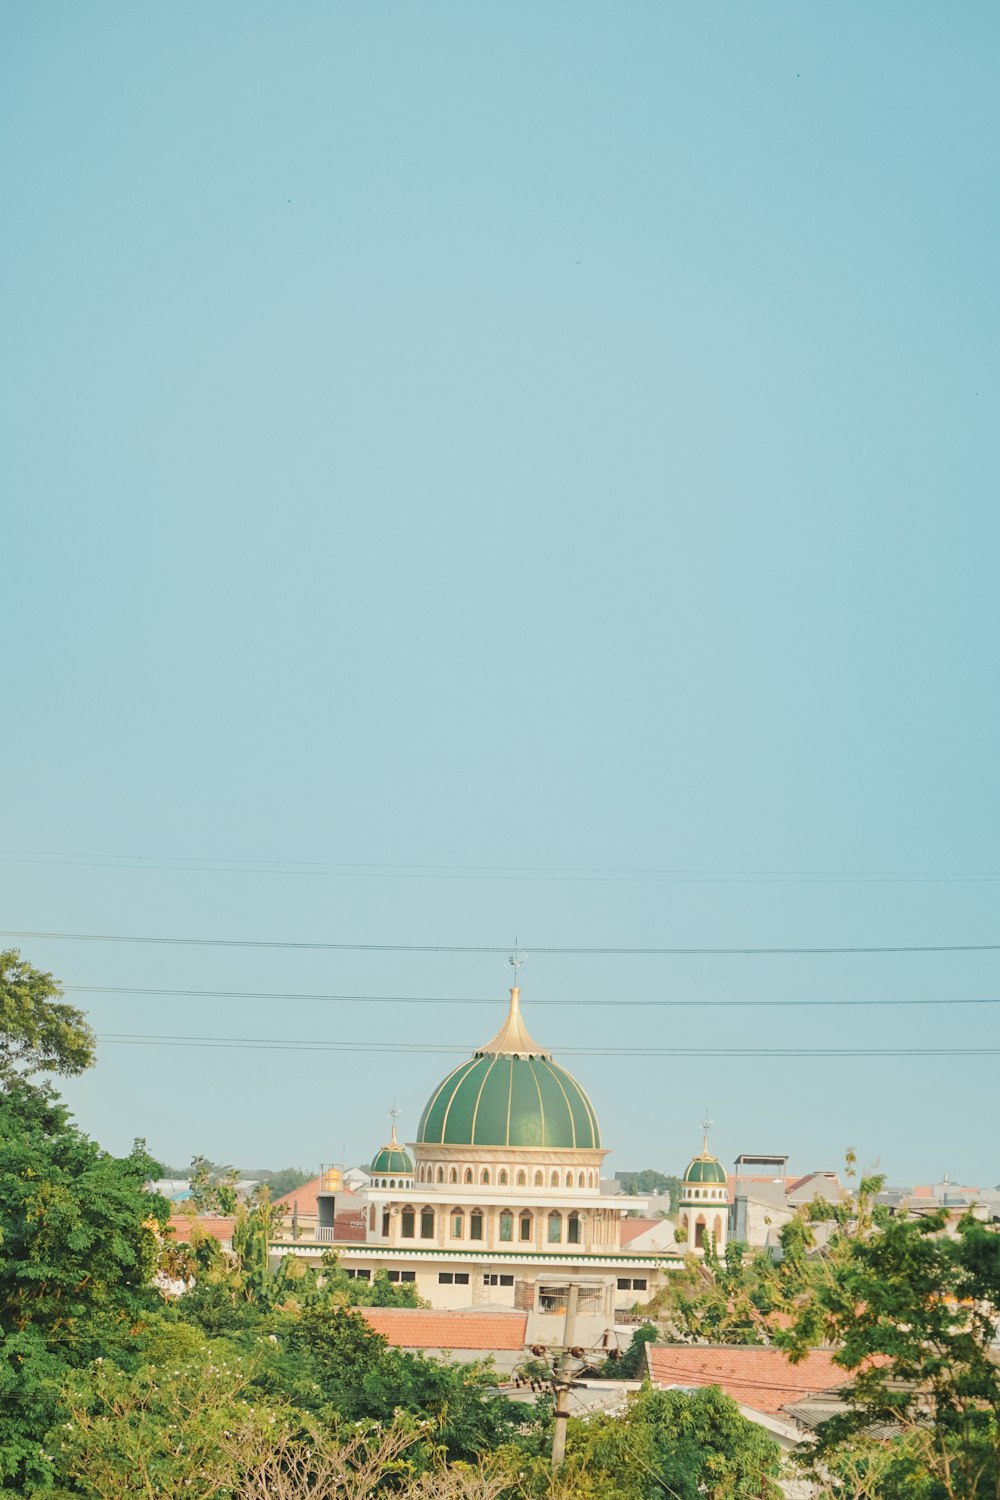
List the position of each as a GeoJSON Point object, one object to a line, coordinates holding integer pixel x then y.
{"type": "Point", "coordinates": [394, 1115]}
{"type": "Point", "coordinates": [706, 1126]}
{"type": "Point", "coordinates": [513, 1036]}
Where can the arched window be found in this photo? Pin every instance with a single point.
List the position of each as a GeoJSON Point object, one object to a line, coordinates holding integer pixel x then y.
{"type": "Point", "coordinates": [457, 1224]}
{"type": "Point", "coordinates": [427, 1223]}
{"type": "Point", "coordinates": [484, 1177]}
{"type": "Point", "coordinates": [468, 1174]}
{"type": "Point", "coordinates": [506, 1226]}
{"type": "Point", "coordinates": [591, 1179]}
{"type": "Point", "coordinates": [717, 1231]}
{"type": "Point", "coordinates": [371, 1218]}
{"type": "Point", "coordinates": [440, 1174]}
{"type": "Point", "coordinates": [555, 1228]}
{"type": "Point", "coordinates": [476, 1224]}
{"type": "Point", "coordinates": [407, 1223]}
{"type": "Point", "coordinates": [453, 1175]}
{"type": "Point", "coordinates": [573, 1229]}
{"type": "Point", "coordinates": [521, 1179]}
{"type": "Point", "coordinates": [554, 1180]}
{"type": "Point", "coordinates": [699, 1232]}
{"type": "Point", "coordinates": [502, 1177]}
{"type": "Point", "coordinates": [539, 1179]}
{"type": "Point", "coordinates": [569, 1179]}
{"type": "Point", "coordinates": [392, 1184]}
{"type": "Point", "coordinates": [385, 1223]}
{"type": "Point", "coordinates": [524, 1229]}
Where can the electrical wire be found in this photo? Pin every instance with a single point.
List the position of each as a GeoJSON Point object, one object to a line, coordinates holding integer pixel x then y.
{"type": "Point", "coordinates": [285, 1044]}
{"type": "Point", "coordinates": [112, 989]}
{"type": "Point", "coordinates": [222, 864]}
{"type": "Point", "coordinates": [202, 942]}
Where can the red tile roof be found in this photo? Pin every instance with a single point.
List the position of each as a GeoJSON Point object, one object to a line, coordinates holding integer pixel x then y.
{"type": "Point", "coordinates": [425, 1328]}
{"type": "Point", "coordinates": [217, 1226]}
{"type": "Point", "coordinates": [761, 1377]}
{"type": "Point", "coordinates": [632, 1228]}
{"type": "Point", "coordinates": [304, 1197]}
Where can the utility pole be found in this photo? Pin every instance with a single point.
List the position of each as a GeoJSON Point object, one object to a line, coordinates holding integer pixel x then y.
{"type": "Point", "coordinates": [561, 1381]}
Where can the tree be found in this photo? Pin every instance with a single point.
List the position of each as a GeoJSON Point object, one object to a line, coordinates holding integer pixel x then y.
{"type": "Point", "coordinates": [38, 1032]}
{"type": "Point", "coordinates": [722, 1302]}
{"type": "Point", "coordinates": [78, 1248]}
{"type": "Point", "coordinates": [178, 1425]}
{"type": "Point", "coordinates": [335, 1366]}
{"type": "Point", "coordinates": [287, 1180]}
{"type": "Point", "coordinates": [676, 1444]}
{"type": "Point", "coordinates": [632, 1364]}
{"type": "Point", "coordinates": [913, 1310]}
{"type": "Point", "coordinates": [650, 1181]}
{"type": "Point", "coordinates": [213, 1187]}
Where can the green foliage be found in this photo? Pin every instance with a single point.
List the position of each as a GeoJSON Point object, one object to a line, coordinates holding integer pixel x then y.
{"type": "Point", "coordinates": [77, 1253]}
{"type": "Point", "coordinates": [285, 1181]}
{"type": "Point", "coordinates": [913, 1310]}
{"type": "Point", "coordinates": [651, 1181]}
{"type": "Point", "coordinates": [332, 1365]}
{"type": "Point", "coordinates": [39, 1033]}
{"type": "Point", "coordinates": [667, 1444]}
{"type": "Point", "coordinates": [213, 1188]}
{"type": "Point", "coordinates": [180, 1424]}
{"type": "Point", "coordinates": [632, 1365]}
{"type": "Point", "coordinates": [723, 1302]}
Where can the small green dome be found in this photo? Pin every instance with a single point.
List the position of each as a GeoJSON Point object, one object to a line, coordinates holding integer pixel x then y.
{"type": "Point", "coordinates": [706, 1168]}
{"type": "Point", "coordinates": [393, 1160]}
{"type": "Point", "coordinates": [512, 1094]}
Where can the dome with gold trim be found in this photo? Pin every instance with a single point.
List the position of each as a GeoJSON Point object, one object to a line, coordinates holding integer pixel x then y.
{"type": "Point", "coordinates": [705, 1170]}
{"type": "Point", "coordinates": [393, 1160]}
{"type": "Point", "coordinates": [510, 1093]}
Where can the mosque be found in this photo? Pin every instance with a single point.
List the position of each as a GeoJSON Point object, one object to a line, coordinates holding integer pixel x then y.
{"type": "Point", "coordinates": [499, 1199]}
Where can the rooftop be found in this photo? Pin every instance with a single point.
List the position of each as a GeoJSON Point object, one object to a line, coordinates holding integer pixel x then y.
{"type": "Point", "coordinates": [757, 1376]}
{"type": "Point", "coordinates": [426, 1328]}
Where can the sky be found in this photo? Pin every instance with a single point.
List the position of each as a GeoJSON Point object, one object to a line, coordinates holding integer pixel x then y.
{"type": "Point", "coordinates": [477, 474]}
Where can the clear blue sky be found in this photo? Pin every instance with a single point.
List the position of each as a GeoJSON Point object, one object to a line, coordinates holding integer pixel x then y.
{"type": "Point", "coordinates": [507, 439]}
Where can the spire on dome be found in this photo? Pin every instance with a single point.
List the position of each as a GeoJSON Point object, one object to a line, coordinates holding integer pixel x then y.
{"type": "Point", "coordinates": [513, 1036]}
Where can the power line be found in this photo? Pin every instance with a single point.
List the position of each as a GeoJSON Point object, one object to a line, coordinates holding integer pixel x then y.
{"type": "Point", "coordinates": [284, 1044]}
{"type": "Point", "coordinates": [225, 865]}
{"type": "Point", "coordinates": [132, 990]}
{"type": "Point", "coordinates": [198, 942]}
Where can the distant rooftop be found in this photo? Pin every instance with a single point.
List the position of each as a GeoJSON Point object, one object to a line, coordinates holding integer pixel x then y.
{"type": "Point", "coordinates": [749, 1160]}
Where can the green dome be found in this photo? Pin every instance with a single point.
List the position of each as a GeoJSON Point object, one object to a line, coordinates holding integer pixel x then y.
{"type": "Point", "coordinates": [498, 1100]}
{"type": "Point", "coordinates": [706, 1169]}
{"type": "Point", "coordinates": [390, 1160]}
{"type": "Point", "coordinates": [393, 1159]}
{"type": "Point", "coordinates": [511, 1094]}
